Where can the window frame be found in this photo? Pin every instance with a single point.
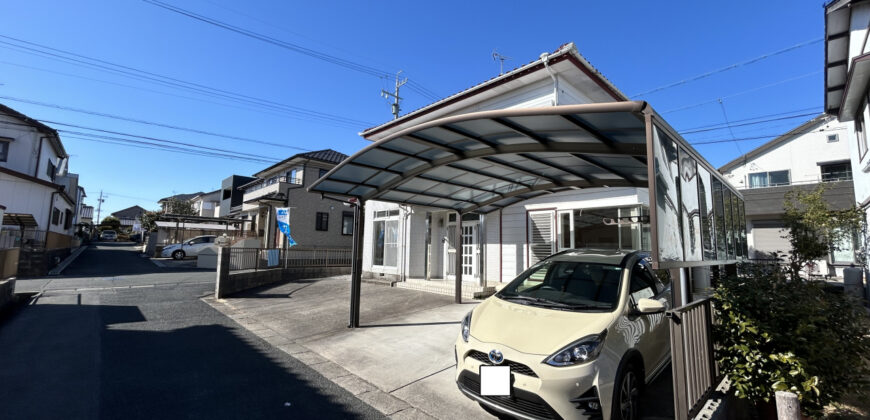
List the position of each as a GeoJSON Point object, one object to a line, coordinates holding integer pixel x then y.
{"type": "Point", "coordinates": [344, 217]}
{"type": "Point", "coordinates": [833, 138]}
{"type": "Point", "coordinates": [860, 133]}
{"type": "Point", "coordinates": [5, 146]}
{"type": "Point", "coordinates": [390, 216]}
{"type": "Point", "coordinates": [321, 221]}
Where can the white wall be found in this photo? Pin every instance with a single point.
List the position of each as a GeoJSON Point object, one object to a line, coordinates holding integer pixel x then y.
{"type": "Point", "coordinates": [799, 155]}
{"type": "Point", "coordinates": [24, 148]}
{"type": "Point", "coordinates": [32, 198]}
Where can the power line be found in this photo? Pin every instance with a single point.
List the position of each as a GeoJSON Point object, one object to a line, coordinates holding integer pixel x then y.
{"type": "Point", "coordinates": [174, 127]}
{"type": "Point", "coordinates": [143, 75]}
{"type": "Point", "coordinates": [765, 136]}
{"type": "Point", "coordinates": [729, 67]}
{"type": "Point", "coordinates": [348, 64]}
{"type": "Point", "coordinates": [742, 92]}
{"type": "Point", "coordinates": [702, 127]}
{"type": "Point", "coordinates": [728, 124]}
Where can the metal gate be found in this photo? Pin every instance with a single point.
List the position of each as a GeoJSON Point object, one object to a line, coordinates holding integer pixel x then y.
{"type": "Point", "coordinates": [692, 357]}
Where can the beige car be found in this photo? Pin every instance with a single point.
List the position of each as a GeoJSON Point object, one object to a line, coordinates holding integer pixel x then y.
{"type": "Point", "coordinates": [575, 336]}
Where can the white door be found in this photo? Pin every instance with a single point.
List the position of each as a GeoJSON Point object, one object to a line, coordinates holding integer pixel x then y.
{"type": "Point", "coordinates": [542, 240]}
{"type": "Point", "coordinates": [469, 251]}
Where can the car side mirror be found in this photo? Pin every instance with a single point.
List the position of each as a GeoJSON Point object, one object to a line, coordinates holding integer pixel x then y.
{"type": "Point", "coordinates": [650, 306]}
{"type": "Point", "coordinates": [190, 243]}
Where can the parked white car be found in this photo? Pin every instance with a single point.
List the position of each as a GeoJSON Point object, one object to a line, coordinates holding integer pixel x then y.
{"type": "Point", "coordinates": [189, 248]}
{"type": "Point", "coordinates": [108, 235]}
{"type": "Point", "coordinates": [575, 336]}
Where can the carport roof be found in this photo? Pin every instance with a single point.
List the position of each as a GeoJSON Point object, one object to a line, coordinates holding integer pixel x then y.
{"type": "Point", "coordinates": [487, 160]}
{"type": "Point", "coordinates": [19, 219]}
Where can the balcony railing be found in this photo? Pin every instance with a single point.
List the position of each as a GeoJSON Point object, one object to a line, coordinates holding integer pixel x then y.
{"type": "Point", "coordinates": [272, 181]}
{"type": "Point", "coordinates": [257, 258]}
{"type": "Point", "coordinates": [828, 177]}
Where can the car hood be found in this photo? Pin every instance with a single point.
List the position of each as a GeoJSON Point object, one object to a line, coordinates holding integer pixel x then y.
{"type": "Point", "coordinates": [533, 330]}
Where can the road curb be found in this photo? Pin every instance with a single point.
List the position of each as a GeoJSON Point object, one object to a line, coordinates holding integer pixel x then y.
{"type": "Point", "coordinates": [66, 262]}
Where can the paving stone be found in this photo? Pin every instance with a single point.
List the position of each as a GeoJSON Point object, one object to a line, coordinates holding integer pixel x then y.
{"type": "Point", "coordinates": [330, 370]}
{"type": "Point", "coordinates": [411, 414]}
{"type": "Point", "coordinates": [292, 348]}
{"type": "Point", "coordinates": [383, 402]}
{"type": "Point", "coordinates": [353, 384]}
{"type": "Point", "coordinates": [309, 358]}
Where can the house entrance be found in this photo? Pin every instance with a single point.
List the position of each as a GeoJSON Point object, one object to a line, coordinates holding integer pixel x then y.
{"type": "Point", "coordinates": [470, 248]}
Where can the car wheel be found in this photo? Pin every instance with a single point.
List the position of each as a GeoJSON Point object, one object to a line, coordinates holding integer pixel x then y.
{"type": "Point", "coordinates": [178, 255]}
{"type": "Point", "coordinates": [626, 394]}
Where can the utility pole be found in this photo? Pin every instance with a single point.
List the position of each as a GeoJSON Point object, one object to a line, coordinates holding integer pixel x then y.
{"type": "Point", "coordinates": [395, 96]}
{"type": "Point", "coordinates": [99, 206]}
{"type": "Point", "coordinates": [501, 59]}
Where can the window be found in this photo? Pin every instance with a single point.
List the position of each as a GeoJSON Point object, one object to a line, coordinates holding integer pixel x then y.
{"type": "Point", "coordinates": [227, 194]}
{"type": "Point", "coordinates": [50, 170]}
{"type": "Point", "coordinates": [322, 221]}
{"type": "Point", "coordinates": [4, 150]}
{"type": "Point", "coordinates": [322, 172]}
{"type": "Point", "coordinates": [583, 286]}
{"type": "Point", "coordinates": [294, 177]}
{"type": "Point", "coordinates": [836, 171]}
{"type": "Point", "coordinates": [55, 216]}
{"type": "Point", "coordinates": [642, 284]}
{"type": "Point", "coordinates": [833, 138]}
{"type": "Point", "coordinates": [769, 179]}
{"type": "Point", "coordinates": [386, 236]}
{"type": "Point", "coordinates": [347, 223]}
{"type": "Point", "coordinates": [67, 220]}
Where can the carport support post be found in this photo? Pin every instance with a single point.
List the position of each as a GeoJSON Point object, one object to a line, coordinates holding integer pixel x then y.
{"type": "Point", "coordinates": [356, 264]}
{"type": "Point", "coordinates": [457, 271]}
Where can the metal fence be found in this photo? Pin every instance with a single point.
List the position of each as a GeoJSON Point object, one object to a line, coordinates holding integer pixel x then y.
{"type": "Point", "coordinates": [28, 239]}
{"type": "Point", "coordinates": [264, 258]}
{"type": "Point", "coordinates": [692, 357]}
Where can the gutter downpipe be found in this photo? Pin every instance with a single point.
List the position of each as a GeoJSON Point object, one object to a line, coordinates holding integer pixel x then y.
{"type": "Point", "coordinates": [545, 58]}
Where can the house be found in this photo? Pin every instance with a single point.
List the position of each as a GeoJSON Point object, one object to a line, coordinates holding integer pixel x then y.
{"type": "Point", "coordinates": [207, 204]}
{"type": "Point", "coordinates": [813, 153]}
{"type": "Point", "coordinates": [313, 222]}
{"type": "Point", "coordinates": [847, 76]}
{"type": "Point", "coordinates": [130, 216]}
{"type": "Point", "coordinates": [455, 157]}
{"type": "Point", "coordinates": [86, 215]}
{"type": "Point", "coordinates": [180, 197]}
{"type": "Point", "coordinates": [231, 196]}
{"type": "Point", "coordinates": [40, 193]}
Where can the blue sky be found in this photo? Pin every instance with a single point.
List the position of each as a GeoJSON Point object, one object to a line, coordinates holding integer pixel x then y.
{"type": "Point", "coordinates": [444, 47]}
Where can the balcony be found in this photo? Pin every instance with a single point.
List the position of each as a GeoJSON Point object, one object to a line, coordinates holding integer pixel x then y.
{"type": "Point", "coordinates": [769, 201]}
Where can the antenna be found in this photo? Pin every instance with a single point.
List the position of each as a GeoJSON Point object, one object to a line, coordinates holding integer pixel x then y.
{"type": "Point", "coordinates": [395, 105]}
{"type": "Point", "coordinates": [501, 59]}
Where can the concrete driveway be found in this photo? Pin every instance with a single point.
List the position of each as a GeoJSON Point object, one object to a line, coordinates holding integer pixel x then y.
{"type": "Point", "coordinates": [400, 361]}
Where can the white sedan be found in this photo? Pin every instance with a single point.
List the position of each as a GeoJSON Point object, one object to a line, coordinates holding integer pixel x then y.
{"type": "Point", "coordinates": [190, 248]}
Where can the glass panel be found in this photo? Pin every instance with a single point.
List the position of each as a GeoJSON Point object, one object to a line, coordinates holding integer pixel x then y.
{"type": "Point", "coordinates": [758, 180]}
{"type": "Point", "coordinates": [591, 232]}
{"type": "Point", "coordinates": [378, 251]}
{"type": "Point", "coordinates": [719, 216]}
{"type": "Point", "coordinates": [729, 223]}
{"type": "Point", "coordinates": [690, 210]}
{"type": "Point", "coordinates": [735, 221]}
{"type": "Point", "coordinates": [565, 230]}
{"type": "Point", "coordinates": [391, 243]}
{"type": "Point", "coordinates": [844, 250]}
{"type": "Point", "coordinates": [778, 178]}
{"type": "Point", "coordinates": [670, 242]}
{"type": "Point", "coordinates": [705, 207]}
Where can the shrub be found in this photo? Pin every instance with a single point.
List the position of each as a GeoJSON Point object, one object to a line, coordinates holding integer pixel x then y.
{"type": "Point", "coordinates": [777, 334]}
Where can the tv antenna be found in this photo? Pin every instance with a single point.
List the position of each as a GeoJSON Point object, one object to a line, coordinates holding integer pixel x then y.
{"type": "Point", "coordinates": [395, 96]}
{"type": "Point", "coordinates": [501, 59]}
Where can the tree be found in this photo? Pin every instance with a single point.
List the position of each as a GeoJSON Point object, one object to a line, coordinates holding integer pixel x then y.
{"type": "Point", "coordinates": [110, 222]}
{"type": "Point", "coordinates": [814, 230]}
{"type": "Point", "coordinates": [182, 207]}
{"type": "Point", "coordinates": [149, 220]}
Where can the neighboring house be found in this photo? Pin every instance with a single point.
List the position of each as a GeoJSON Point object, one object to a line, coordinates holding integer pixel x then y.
{"type": "Point", "coordinates": [180, 197]}
{"type": "Point", "coordinates": [314, 222]}
{"type": "Point", "coordinates": [415, 242]}
{"type": "Point", "coordinates": [39, 192]}
{"type": "Point", "coordinates": [207, 204]}
{"type": "Point", "coordinates": [129, 216]}
{"type": "Point", "coordinates": [847, 76]}
{"type": "Point", "coordinates": [813, 153]}
{"type": "Point", "coordinates": [86, 215]}
{"type": "Point", "coordinates": [231, 196]}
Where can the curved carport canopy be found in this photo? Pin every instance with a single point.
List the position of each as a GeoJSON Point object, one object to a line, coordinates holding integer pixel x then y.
{"type": "Point", "coordinates": [483, 161]}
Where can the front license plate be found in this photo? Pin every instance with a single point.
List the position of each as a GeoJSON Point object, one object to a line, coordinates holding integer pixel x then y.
{"type": "Point", "coordinates": [495, 380]}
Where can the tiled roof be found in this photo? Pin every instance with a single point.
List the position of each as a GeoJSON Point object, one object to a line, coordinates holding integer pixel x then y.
{"type": "Point", "coordinates": [129, 212]}
{"type": "Point", "coordinates": [182, 197]}
{"type": "Point", "coordinates": [326, 155]}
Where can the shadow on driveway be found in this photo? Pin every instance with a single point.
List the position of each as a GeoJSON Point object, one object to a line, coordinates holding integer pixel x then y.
{"type": "Point", "coordinates": [101, 361]}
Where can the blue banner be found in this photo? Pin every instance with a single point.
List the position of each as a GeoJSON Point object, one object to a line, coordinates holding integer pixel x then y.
{"type": "Point", "coordinates": [284, 224]}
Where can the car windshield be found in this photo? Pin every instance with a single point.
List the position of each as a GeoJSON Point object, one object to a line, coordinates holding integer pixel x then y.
{"type": "Point", "coordinates": [566, 285]}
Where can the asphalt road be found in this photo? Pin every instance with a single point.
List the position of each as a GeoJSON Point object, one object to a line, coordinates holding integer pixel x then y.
{"type": "Point", "coordinates": [117, 337]}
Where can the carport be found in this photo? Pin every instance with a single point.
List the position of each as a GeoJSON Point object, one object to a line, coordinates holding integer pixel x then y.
{"type": "Point", "coordinates": [483, 161]}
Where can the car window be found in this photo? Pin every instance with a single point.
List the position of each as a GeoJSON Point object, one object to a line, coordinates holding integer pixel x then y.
{"type": "Point", "coordinates": [195, 241]}
{"type": "Point", "coordinates": [209, 239]}
{"type": "Point", "coordinates": [578, 284]}
{"type": "Point", "coordinates": [642, 284]}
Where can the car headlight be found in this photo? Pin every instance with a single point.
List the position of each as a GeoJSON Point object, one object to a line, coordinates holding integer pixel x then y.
{"type": "Point", "coordinates": [580, 351]}
{"type": "Point", "coordinates": [466, 326]}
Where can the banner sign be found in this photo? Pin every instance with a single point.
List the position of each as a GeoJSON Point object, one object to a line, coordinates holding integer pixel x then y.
{"type": "Point", "coordinates": [284, 224]}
